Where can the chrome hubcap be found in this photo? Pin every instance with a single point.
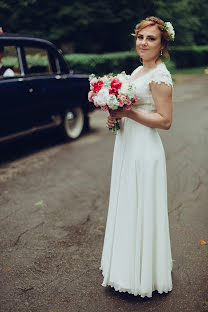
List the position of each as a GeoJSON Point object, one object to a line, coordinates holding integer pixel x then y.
{"type": "Point", "coordinates": [74, 122]}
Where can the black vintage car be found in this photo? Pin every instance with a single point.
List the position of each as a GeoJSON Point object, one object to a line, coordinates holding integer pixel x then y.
{"type": "Point", "coordinates": [38, 91]}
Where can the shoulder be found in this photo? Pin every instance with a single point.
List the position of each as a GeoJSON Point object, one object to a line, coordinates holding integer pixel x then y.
{"type": "Point", "coordinates": [161, 75]}
{"type": "Point", "coordinates": [136, 70]}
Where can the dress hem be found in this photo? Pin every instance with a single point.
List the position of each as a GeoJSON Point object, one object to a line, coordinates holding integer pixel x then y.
{"type": "Point", "coordinates": [120, 289]}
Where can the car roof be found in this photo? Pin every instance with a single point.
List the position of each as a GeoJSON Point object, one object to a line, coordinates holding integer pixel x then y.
{"type": "Point", "coordinates": [19, 38]}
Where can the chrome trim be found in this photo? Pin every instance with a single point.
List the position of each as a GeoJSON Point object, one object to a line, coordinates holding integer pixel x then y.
{"type": "Point", "coordinates": [20, 61]}
{"type": "Point", "coordinates": [58, 69]}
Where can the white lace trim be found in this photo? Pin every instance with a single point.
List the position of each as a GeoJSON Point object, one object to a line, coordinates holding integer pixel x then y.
{"type": "Point", "coordinates": [136, 293]}
{"type": "Point", "coordinates": [135, 71]}
{"type": "Point", "coordinates": [160, 75]}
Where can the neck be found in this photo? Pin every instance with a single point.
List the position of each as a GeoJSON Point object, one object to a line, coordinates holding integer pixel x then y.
{"type": "Point", "coordinates": [149, 64]}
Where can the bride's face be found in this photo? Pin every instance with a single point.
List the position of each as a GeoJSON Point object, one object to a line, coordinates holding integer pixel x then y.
{"type": "Point", "coordinates": [148, 43]}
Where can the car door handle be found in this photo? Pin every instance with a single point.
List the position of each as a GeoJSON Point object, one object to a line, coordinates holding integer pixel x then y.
{"type": "Point", "coordinates": [60, 77]}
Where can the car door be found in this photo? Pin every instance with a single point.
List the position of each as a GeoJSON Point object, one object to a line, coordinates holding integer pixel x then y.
{"type": "Point", "coordinates": [13, 91]}
{"type": "Point", "coordinates": [42, 79]}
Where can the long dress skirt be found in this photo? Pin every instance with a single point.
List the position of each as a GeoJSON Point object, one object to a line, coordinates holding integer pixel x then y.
{"type": "Point", "coordinates": [136, 256]}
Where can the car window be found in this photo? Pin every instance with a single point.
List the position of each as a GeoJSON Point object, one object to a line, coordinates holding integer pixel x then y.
{"type": "Point", "coordinates": [9, 62]}
{"type": "Point", "coordinates": [38, 61]}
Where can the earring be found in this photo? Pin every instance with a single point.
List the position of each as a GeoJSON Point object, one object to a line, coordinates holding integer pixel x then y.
{"type": "Point", "coordinates": [161, 52]}
{"type": "Point", "coordinates": [140, 60]}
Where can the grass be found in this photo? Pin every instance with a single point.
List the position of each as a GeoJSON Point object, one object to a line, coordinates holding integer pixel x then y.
{"type": "Point", "coordinates": [189, 71]}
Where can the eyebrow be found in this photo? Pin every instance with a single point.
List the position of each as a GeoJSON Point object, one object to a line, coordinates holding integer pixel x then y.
{"type": "Point", "coordinates": [147, 36]}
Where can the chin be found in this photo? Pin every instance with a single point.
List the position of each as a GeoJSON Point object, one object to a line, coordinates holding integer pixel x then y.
{"type": "Point", "coordinates": [142, 52]}
{"type": "Point", "coordinates": [145, 58]}
{"type": "Point", "coordinates": [148, 58]}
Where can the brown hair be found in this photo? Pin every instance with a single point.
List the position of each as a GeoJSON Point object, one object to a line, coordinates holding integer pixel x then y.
{"type": "Point", "coordinates": [150, 21]}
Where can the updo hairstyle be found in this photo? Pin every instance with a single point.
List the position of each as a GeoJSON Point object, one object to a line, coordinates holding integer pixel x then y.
{"type": "Point", "coordinates": [150, 21]}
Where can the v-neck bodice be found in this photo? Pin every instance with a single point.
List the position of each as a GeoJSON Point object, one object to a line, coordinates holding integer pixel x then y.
{"type": "Point", "coordinates": [159, 74]}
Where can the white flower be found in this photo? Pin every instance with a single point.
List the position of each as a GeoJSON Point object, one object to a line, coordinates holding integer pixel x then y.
{"type": "Point", "coordinates": [112, 102]}
{"type": "Point", "coordinates": [106, 81]}
{"type": "Point", "coordinates": [123, 77]}
{"type": "Point", "coordinates": [93, 80]}
{"type": "Point", "coordinates": [169, 28]}
{"type": "Point", "coordinates": [124, 88]}
{"type": "Point", "coordinates": [131, 91]}
{"type": "Point", "coordinates": [128, 89]}
{"type": "Point", "coordinates": [102, 97]}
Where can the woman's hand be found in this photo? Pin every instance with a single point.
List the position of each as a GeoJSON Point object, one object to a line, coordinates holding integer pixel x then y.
{"type": "Point", "coordinates": [111, 121]}
{"type": "Point", "coordinates": [118, 114]}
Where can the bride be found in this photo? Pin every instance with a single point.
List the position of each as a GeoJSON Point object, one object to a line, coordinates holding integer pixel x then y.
{"type": "Point", "coordinates": [136, 256]}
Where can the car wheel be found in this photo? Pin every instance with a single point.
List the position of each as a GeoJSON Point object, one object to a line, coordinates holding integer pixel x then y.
{"type": "Point", "coordinates": [73, 123]}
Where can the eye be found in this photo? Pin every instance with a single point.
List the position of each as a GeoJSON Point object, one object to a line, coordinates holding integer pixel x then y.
{"type": "Point", "coordinates": [151, 38]}
{"type": "Point", "coordinates": [140, 37]}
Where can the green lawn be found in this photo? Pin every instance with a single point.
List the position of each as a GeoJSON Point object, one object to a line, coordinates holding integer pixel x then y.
{"type": "Point", "coordinates": [193, 70]}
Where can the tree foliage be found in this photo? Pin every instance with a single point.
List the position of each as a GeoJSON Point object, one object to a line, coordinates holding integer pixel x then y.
{"type": "Point", "coordinates": [101, 26]}
{"type": "Point", "coordinates": [181, 14]}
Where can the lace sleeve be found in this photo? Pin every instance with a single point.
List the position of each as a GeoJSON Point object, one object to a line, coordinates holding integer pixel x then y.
{"type": "Point", "coordinates": [160, 76]}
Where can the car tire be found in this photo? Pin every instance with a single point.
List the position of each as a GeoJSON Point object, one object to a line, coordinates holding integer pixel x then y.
{"type": "Point", "coordinates": [73, 123]}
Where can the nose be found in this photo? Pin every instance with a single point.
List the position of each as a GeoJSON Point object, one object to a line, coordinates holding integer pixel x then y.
{"type": "Point", "coordinates": [144, 42]}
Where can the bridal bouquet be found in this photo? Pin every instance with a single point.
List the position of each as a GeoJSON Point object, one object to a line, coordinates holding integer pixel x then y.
{"type": "Point", "coordinates": [112, 92]}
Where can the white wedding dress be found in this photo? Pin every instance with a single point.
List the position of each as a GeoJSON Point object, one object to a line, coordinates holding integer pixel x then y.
{"type": "Point", "coordinates": [136, 256]}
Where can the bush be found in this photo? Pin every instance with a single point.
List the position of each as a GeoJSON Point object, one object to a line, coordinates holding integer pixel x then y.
{"type": "Point", "coordinates": [185, 57]}
{"type": "Point", "coordinates": [181, 57]}
{"type": "Point", "coordinates": [10, 61]}
{"type": "Point", "coordinates": [101, 64]}
{"type": "Point", "coordinates": [32, 61]}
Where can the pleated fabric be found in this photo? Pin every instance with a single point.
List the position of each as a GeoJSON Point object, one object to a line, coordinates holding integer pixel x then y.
{"type": "Point", "coordinates": [136, 256]}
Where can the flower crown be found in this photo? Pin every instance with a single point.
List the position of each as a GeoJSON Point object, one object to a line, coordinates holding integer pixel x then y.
{"type": "Point", "coordinates": [169, 28]}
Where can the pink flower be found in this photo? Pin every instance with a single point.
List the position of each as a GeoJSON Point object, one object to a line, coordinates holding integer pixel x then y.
{"type": "Point", "coordinates": [104, 108]}
{"type": "Point", "coordinates": [127, 107]}
{"type": "Point", "coordinates": [122, 98]}
{"type": "Point", "coordinates": [115, 83]}
{"type": "Point", "coordinates": [121, 103]}
{"type": "Point", "coordinates": [90, 93]}
{"type": "Point", "coordinates": [113, 91]}
{"type": "Point", "coordinates": [98, 85]}
{"type": "Point", "coordinates": [135, 99]}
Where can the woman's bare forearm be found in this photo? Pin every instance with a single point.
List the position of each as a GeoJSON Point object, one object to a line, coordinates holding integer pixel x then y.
{"type": "Point", "coordinates": [153, 120]}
